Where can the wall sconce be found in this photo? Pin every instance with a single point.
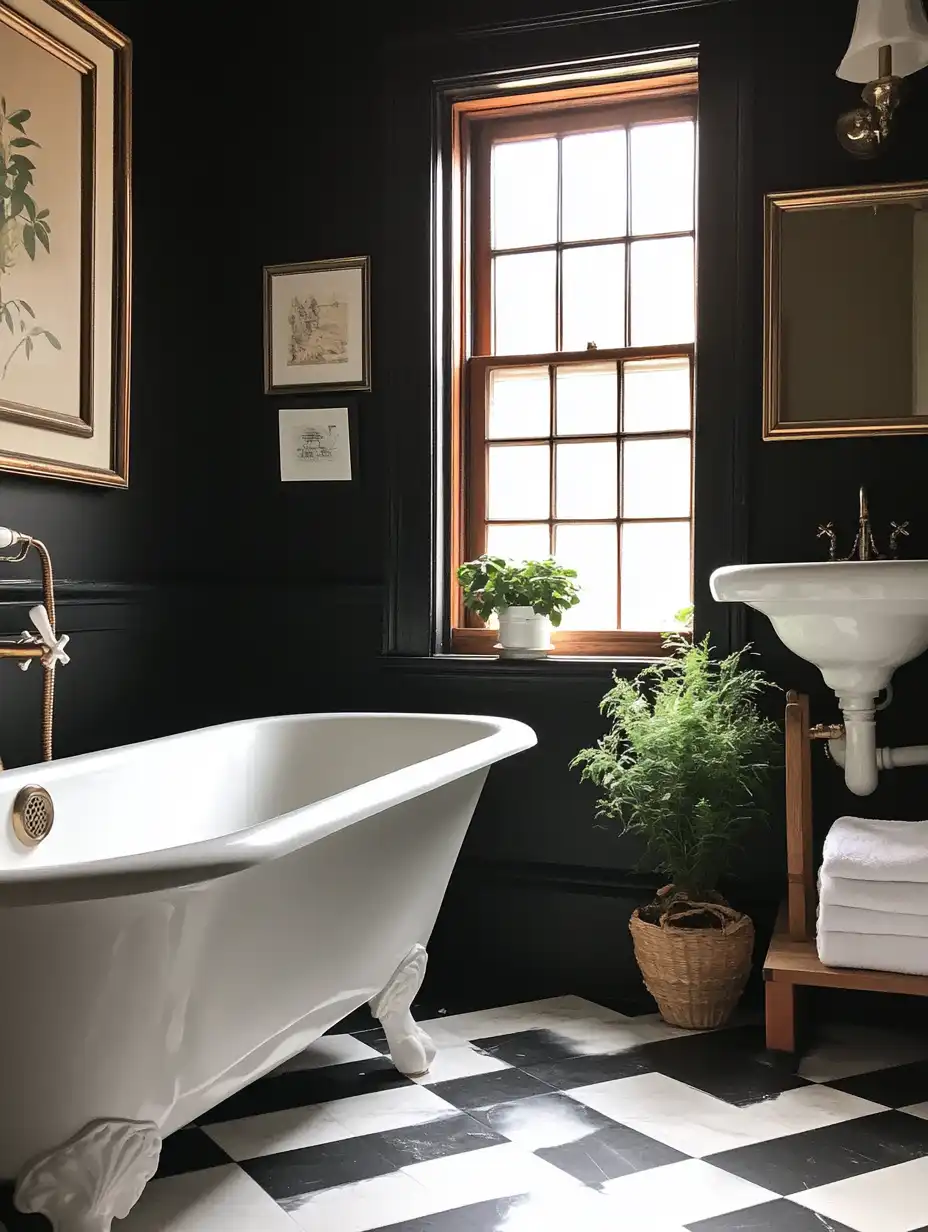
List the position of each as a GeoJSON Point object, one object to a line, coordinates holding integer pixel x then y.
{"type": "Point", "coordinates": [890, 41]}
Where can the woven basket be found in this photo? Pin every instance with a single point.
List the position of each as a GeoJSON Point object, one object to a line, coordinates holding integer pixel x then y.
{"type": "Point", "coordinates": [696, 975]}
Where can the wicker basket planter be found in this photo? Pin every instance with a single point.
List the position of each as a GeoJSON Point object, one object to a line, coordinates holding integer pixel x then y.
{"type": "Point", "coordinates": [696, 975]}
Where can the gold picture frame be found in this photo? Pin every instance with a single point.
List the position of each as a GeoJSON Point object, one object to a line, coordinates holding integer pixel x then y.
{"type": "Point", "coordinates": [317, 326]}
{"type": "Point", "coordinates": [65, 243]}
{"type": "Point", "coordinates": [780, 208]}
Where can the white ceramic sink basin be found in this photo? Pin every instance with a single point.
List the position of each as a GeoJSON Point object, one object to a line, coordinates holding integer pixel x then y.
{"type": "Point", "coordinates": [855, 620]}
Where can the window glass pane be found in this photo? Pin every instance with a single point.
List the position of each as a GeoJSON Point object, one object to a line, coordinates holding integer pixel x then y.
{"type": "Point", "coordinates": [656, 395]}
{"type": "Point", "coordinates": [524, 193]}
{"type": "Point", "coordinates": [594, 296]}
{"type": "Point", "coordinates": [663, 292]}
{"type": "Point", "coordinates": [519, 402]}
{"type": "Point", "coordinates": [587, 398]}
{"type": "Point", "coordinates": [591, 550]}
{"type": "Point", "coordinates": [663, 177]}
{"type": "Point", "coordinates": [530, 542]}
{"type": "Point", "coordinates": [655, 574]}
{"type": "Point", "coordinates": [518, 482]}
{"type": "Point", "coordinates": [593, 171]}
{"type": "Point", "coordinates": [586, 482]}
{"type": "Point", "coordinates": [524, 303]}
{"type": "Point", "coordinates": [656, 478]}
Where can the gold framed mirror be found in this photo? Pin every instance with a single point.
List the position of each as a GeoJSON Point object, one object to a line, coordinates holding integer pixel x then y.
{"type": "Point", "coordinates": [846, 312]}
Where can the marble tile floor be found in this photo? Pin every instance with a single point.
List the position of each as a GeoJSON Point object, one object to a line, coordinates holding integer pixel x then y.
{"type": "Point", "coordinates": [553, 1115]}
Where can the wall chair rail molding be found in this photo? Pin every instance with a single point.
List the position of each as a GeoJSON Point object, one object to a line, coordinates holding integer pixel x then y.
{"type": "Point", "coordinates": [423, 81]}
{"type": "Point", "coordinates": [65, 243]}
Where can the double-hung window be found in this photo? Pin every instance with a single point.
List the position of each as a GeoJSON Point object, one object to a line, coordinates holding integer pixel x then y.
{"type": "Point", "coordinates": [574, 406]}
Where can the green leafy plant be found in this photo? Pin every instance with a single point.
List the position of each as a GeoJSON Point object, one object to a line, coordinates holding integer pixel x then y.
{"type": "Point", "coordinates": [23, 226]}
{"type": "Point", "coordinates": [492, 584]}
{"type": "Point", "coordinates": [686, 763]}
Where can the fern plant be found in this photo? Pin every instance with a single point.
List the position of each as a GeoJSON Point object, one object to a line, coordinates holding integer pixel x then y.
{"type": "Point", "coordinates": [686, 763]}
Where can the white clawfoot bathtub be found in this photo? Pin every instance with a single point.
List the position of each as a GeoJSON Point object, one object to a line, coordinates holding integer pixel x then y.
{"type": "Point", "coordinates": [205, 907]}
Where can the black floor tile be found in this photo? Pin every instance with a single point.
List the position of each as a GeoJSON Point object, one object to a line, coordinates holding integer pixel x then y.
{"type": "Point", "coordinates": [299, 1088]}
{"type": "Point", "coordinates": [524, 1048]}
{"type": "Point", "coordinates": [822, 1156]}
{"type": "Point", "coordinates": [485, 1090]}
{"type": "Point", "coordinates": [732, 1065]}
{"type": "Point", "coordinates": [293, 1174]}
{"type": "Point", "coordinates": [770, 1217]}
{"type": "Point", "coordinates": [895, 1087]}
{"type": "Point", "coordinates": [189, 1150]}
{"type": "Point", "coordinates": [555, 1116]}
{"type": "Point", "coordinates": [584, 1071]}
{"type": "Point", "coordinates": [374, 1038]}
{"type": "Point", "coordinates": [612, 1151]}
{"type": "Point", "coordinates": [449, 1135]}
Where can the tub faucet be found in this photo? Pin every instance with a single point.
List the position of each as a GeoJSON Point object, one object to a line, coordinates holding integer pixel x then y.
{"type": "Point", "coordinates": [864, 543]}
{"type": "Point", "coordinates": [42, 642]}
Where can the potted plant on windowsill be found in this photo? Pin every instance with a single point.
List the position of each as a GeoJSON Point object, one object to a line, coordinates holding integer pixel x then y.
{"type": "Point", "coordinates": [685, 767]}
{"type": "Point", "coordinates": [530, 597]}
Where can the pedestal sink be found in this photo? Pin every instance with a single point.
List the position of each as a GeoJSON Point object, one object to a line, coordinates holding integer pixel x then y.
{"type": "Point", "coordinates": [857, 621]}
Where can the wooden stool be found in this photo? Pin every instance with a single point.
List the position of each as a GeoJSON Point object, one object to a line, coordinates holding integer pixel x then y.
{"type": "Point", "coordinates": [792, 962]}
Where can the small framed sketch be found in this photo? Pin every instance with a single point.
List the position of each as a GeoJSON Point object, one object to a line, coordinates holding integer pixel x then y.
{"type": "Point", "coordinates": [317, 332]}
{"type": "Point", "coordinates": [314, 444]}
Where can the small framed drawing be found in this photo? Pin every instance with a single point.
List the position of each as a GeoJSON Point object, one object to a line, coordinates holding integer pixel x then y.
{"type": "Point", "coordinates": [314, 444]}
{"type": "Point", "coordinates": [317, 331]}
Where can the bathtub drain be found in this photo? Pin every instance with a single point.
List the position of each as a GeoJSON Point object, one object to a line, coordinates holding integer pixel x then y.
{"type": "Point", "coordinates": [33, 815]}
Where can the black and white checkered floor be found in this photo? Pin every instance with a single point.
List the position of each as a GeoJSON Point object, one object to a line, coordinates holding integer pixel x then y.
{"type": "Point", "coordinates": [559, 1115]}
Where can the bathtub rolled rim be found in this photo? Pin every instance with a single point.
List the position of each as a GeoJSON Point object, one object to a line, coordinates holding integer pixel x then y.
{"type": "Point", "coordinates": [223, 855]}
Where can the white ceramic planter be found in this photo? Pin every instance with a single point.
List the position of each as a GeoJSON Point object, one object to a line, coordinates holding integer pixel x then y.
{"type": "Point", "coordinates": [523, 634]}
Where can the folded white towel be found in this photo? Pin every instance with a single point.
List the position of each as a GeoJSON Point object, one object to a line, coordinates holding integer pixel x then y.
{"type": "Point", "coordinates": [867, 850]}
{"type": "Point", "coordinates": [908, 955]}
{"type": "Point", "coordinates": [908, 897]}
{"type": "Point", "coordinates": [832, 918]}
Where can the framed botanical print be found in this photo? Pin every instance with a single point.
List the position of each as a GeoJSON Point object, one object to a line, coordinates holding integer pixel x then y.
{"type": "Point", "coordinates": [64, 243]}
{"type": "Point", "coordinates": [317, 326]}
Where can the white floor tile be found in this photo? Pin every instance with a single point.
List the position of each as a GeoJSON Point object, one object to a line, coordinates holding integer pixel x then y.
{"type": "Point", "coordinates": [919, 1110]}
{"type": "Point", "coordinates": [364, 1205]}
{"type": "Point", "coordinates": [589, 1036]}
{"type": "Point", "coordinates": [680, 1193]}
{"type": "Point", "coordinates": [698, 1124]}
{"type": "Point", "coordinates": [493, 1172]}
{"type": "Point", "coordinates": [582, 1210]}
{"type": "Point", "coordinates": [330, 1050]}
{"type": "Point", "coordinates": [214, 1200]}
{"type": "Point", "coordinates": [459, 1061]}
{"type": "Point", "coordinates": [528, 1016]}
{"type": "Point", "coordinates": [391, 1109]}
{"type": "Point", "coordinates": [890, 1200]}
{"type": "Point", "coordinates": [272, 1132]}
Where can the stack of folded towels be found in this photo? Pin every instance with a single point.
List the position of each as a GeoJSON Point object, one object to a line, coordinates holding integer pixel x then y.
{"type": "Point", "coordinates": [873, 896]}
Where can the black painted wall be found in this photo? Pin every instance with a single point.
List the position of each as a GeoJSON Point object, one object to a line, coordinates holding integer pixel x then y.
{"type": "Point", "coordinates": [258, 142]}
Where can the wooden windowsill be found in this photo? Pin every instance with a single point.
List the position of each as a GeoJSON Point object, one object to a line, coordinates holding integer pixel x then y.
{"type": "Point", "coordinates": [575, 643]}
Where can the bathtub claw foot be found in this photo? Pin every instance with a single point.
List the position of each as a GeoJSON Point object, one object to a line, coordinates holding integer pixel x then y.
{"type": "Point", "coordinates": [94, 1178]}
{"type": "Point", "coordinates": [411, 1049]}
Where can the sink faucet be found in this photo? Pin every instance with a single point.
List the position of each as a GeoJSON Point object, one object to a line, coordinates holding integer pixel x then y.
{"type": "Point", "coordinates": [864, 543]}
{"type": "Point", "coordinates": [43, 643]}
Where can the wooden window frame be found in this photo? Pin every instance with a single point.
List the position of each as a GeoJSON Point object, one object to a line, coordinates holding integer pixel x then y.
{"type": "Point", "coordinates": [476, 125]}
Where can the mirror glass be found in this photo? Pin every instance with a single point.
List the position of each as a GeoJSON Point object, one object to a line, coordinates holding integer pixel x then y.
{"type": "Point", "coordinates": [847, 313]}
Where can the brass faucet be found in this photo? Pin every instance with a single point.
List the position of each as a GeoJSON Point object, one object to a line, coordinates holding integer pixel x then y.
{"type": "Point", "coordinates": [44, 643]}
{"type": "Point", "coordinates": [864, 543]}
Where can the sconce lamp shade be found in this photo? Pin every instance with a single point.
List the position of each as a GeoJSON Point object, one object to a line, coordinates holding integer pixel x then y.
{"type": "Point", "coordinates": [900, 24]}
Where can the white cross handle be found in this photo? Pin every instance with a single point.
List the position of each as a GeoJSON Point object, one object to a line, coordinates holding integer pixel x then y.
{"type": "Point", "coordinates": [54, 645]}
